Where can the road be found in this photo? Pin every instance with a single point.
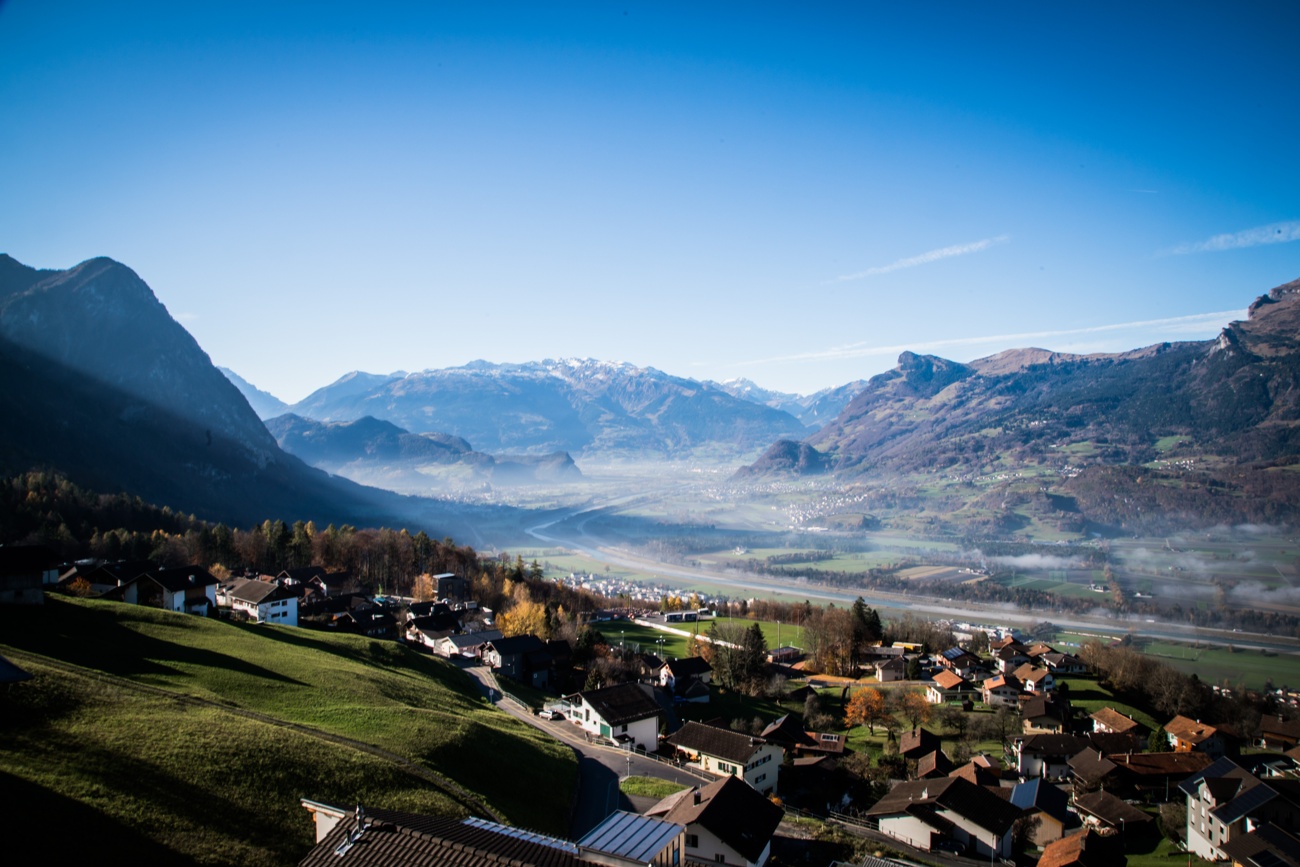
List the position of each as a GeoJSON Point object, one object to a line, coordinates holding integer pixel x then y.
{"type": "Point", "coordinates": [599, 767]}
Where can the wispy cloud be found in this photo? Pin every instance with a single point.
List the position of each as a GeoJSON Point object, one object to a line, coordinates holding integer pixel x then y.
{"type": "Point", "coordinates": [1198, 323]}
{"type": "Point", "coordinates": [925, 258]}
{"type": "Point", "coordinates": [1274, 233]}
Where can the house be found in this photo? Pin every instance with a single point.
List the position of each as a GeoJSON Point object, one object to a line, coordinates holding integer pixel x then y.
{"type": "Point", "coordinates": [1110, 721]}
{"type": "Point", "coordinates": [959, 661]}
{"type": "Point", "coordinates": [1002, 690]}
{"type": "Point", "coordinates": [1278, 733]}
{"type": "Point", "coordinates": [626, 713]}
{"type": "Point", "coordinates": [469, 645]}
{"type": "Point", "coordinates": [1038, 681]}
{"type": "Point", "coordinates": [1225, 801]}
{"type": "Point", "coordinates": [726, 753]}
{"type": "Point", "coordinates": [1010, 658]}
{"type": "Point", "coordinates": [1087, 848]}
{"type": "Point", "coordinates": [1154, 775]}
{"type": "Point", "coordinates": [25, 572]}
{"type": "Point", "coordinates": [1047, 808]}
{"type": "Point", "coordinates": [1090, 770]}
{"type": "Point", "coordinates": [1104, 811]}
{"type": "Point", "coordinates": [917, 742]}
{"type": "Point", "coordinates": [519, 657]}
{"type": "Point", "coordinates": [1187, 734]}
{"type": "Point", "coordinates": [951, 814]}
{"type": "Point", "coordinates": [681, 670]}
{"type": "Point", "coordinates": [981, 770]}
{"type": "Point", "coordinates": [788, 733]}
{"type": "Point", "coordinates": [1046, 755]}
{"type": "Point", "coordinates": [891, 670]}
{"type": "Point", "coordinates": [265, 602]}
{"type": "Point", "coordinates": [726, 822]}
{"type": "Point", "coordinates": [429, 629]}
{"type": "Point", "coordinates": [1063, 663]}
{"type": "Point", "coordinates": [947, 686]}
{"type": "Point", "coordinates": [190, 589]}
{"type": "Point", "coordinates": [1266, 845]}
{"type": "Point", "coordinates": [1042, 715]}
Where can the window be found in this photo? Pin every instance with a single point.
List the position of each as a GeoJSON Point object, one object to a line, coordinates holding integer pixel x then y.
{"type": "Point", "coordinates": [624, 728]}
{"type": "Point", "coordinates": [760, 778]}
{"type": "Point", "coordinates": [720, 858]}
{"type": "Point", "coordinates": [692, 841]}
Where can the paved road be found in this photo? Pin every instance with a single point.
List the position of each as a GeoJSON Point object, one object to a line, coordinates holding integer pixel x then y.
{"type": "Point", "coordinates": [599, 767]}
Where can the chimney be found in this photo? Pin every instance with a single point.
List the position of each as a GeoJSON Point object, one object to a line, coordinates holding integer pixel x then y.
{"type": "Point", "coordinates": [695, 797]}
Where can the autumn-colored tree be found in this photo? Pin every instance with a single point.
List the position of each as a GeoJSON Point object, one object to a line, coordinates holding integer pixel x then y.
{"type": "Point", "coordinates": [866, 707]}
{"type": "Point", "coordinates": [914, 708]}
{"type": "Point", "coordinates": [424, 588]}
{"type": "Point", "coordinates": [525, 617]}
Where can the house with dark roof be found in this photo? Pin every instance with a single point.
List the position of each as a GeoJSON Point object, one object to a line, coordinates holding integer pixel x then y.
{"type": "Point", "coordinates": [951, 814]}
{"type": "Point", "coordinates": [727, 822]}
{"type": "Point", "coordinates": [959, 661]}
{"type": "Point", "coordinates": [1104, 811]}
{"type": "Point", "coordinates": [1047, 808]}
{"type": "Point", "coordinates": [1002, 690]}
{"type": "Point", "coordinates": [1279, 733]}
{"type": "Point", "coordinates": [1043, 715]}
{"type": "Point", "coordinates": [520, 657]}
{"type": "Point", "coordinates": [1266, 846]}
{"type": "Point", "coordinates": [1045, 755]}
{"type": "Point", "coordinates": [189, 589]}
{"type": "Point", "coordinates": [917, 742]}
{"type": "Point", "coordinates": [265, 602]}
{"type": "Point", "coordinates": [726, 753]}
{"type": "Point", "coordinates": [25, 572]}
{"type": "Point", "coordinates": [933, 765]}
{"type": "Point", "coordinates": [788, 733]}
{"type": "Point", "coordinates": [468, 645]}
{"type": "Point", "coordinates": [625, 713]}
{"type": "Point", "coordinates": [1090, 770]}
{"type": "Point", "coordinates": [981, 770]}
{"type": "Point", "coordinates": [1225, 801]}
{"type": "Point", "coordinates": [1011, 657]}
{"type": "Point", "coordinates": [624, 839]}
{"type": "Point", "coordinates": [679, 671]}
{"type": "Point", "coordinates": [1063, 663]}
{"type": "Point", "coordinates": [1153, 775]}
{"type": "Point", "coordinates": [427, 629]}
{"type": "Point", "coordinates": [891, 670]}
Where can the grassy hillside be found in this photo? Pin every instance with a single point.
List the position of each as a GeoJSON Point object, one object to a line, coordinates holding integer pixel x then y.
{"type": "Point", "coordinates": [216, 776]}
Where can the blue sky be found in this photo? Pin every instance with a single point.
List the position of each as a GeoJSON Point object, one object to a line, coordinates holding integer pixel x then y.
{"type": "Point", "coordinates": [789, 193]}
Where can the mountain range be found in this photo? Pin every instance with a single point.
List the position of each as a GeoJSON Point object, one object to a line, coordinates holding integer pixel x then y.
{"type": "Point", "coordinates": [1220, 405]}
{"type": "Point", "coordinates": [588, 408]}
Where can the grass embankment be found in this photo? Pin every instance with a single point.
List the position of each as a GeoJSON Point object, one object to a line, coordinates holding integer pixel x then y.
{"type": "Point", "coordinates": [187, 775]}
{"type": "Point", "coordinates": [649, 787]}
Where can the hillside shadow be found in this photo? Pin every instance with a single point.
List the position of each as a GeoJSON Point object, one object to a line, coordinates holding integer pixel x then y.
{"type": "Point", "coordinates": [72, 832]}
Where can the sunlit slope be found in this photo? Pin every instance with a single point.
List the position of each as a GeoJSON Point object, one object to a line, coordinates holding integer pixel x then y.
{"type": "Point", "coordinates": [359, 690]}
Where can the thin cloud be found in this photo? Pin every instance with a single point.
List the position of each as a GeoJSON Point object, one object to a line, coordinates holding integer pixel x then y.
{"type": "Point", "coordinates": [1193, 324]}
{"type": "Point", "coordinates": [1274, 233]}
{"type": "Point", "coordinates": [925, 258]}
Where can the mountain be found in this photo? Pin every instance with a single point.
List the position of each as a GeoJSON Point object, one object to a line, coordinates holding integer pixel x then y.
{"type": "Point", "coordinates": [1232, 401]}
{"type": "Point", "coordinates": [580, 406]}
{"type": "Point", "coordinates": [265, 404]}
{"type": "Point", "coordinates": [813, 410]}
{"type": "Point", "coordinates": [100, 383]}
{"type": "Point", "coordinates": [378, 452]}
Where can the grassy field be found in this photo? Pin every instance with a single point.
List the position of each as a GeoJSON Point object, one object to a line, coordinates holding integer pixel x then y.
{"type": "Point", "coordinates": [1218, 665]}
{"type": "Point", "coordinates": [379, 693]}
{"type": "Point", "coordinates": [648, 787]}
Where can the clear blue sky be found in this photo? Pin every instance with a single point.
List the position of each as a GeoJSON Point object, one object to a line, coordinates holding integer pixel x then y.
{"type": "Point", "coordinates": [792, 193]}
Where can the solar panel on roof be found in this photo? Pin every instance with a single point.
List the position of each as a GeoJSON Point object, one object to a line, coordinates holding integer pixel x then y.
{"type": "Point", "coordinates": [1243, 804]}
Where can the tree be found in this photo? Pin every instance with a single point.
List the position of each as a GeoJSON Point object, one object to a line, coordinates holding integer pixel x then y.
{"type": "Point", "coordinates": [914, 708]}
{"type": "Point", "coordinates": [866, 707]}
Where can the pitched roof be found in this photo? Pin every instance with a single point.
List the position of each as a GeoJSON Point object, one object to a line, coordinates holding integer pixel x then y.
{"type": "Point", "coordinates": [956, 794]}
{"type": "Point", "coordinates": [1189, 730]}
{"type": "Point", "coordinates": [732, 810]}
{"type": "Point", "coordinates": [725, 744]}
{"type": "Point", "coordinates": [1084, 849]}
{"type": "Point", "coordinates": [630, 836]}
{"type": "Point", "coordinates": [916, 742]}
{"type": "Point", "coordinates": [1038, 794]}
{"type": "Point", "coordinates": [1040, 707]}
{"type": "Point", "coordinates": [1161, 764]}
{"type": "Point", "coordinates": [256, 592]}
{"type": "Point", "coordinates": [935, 764]}
{"type": "Point", "coordinates": [622, 703]}
{"type": "Point", "coordinates": [1091, 766]}
{"type": "Point", "coordinates": [1114, 720]}
{"type": "Point", "coordinates": [787, 730]}
{"type": "Point", "coordinates": [1266, 846]}
{"type": "Point", "coordinates": [1278, 727]}
{"type": "Point", "coordinates": [390, 837]}
{"type": "Point", "coordinates": [1053, 744]}
{"type": "Point", "coordinates": [958, 655]}
{"type": "Point", "coordinates": [974, 772]}
{"type": "Point", "coordinates": [1002, 681]}
{"type": "Point", "coordinates": [517, 644]}
{"type": "Point", "coordinates": [948, 680]}
{"type": "Point", "coordinates": [690, 666]}
{"type": "Point", "coordinates": [1110, 810]}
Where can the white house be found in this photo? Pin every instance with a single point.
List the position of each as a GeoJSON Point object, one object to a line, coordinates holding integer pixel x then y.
{"type": "Point", "coordinates": [950, 813]}
{"type": "Point", "coordinates": [190, 589]}
{"type": "Point", "coordinates": [265, 602]}
{"type": "Point", "coordinates": [726, 822]}
{"type": "Point", "coordinates": [730, 754]}
{"type": "Point", "coordinates": [626, 713]}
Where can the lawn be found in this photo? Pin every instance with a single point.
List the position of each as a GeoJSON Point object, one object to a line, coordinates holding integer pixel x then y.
{"type": "Point", "coordinates": [381, 693]}
{"type": "Point", "coordinates": [1219, 665]}
{"type": "Point", "coordinates": [1087, 696]}
{"type": "Point", "coordinates": [648, 787]}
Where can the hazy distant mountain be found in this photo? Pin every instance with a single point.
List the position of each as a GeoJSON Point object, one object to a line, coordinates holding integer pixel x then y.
{"type": "Point", "coordinates": [814, 410]}
{"type": "Point", "coordinates": [378, 452]}
{"type": "Point", "coordinates": [573, 405]}
{"type": "Point", "coordinates": [1236, 398]}
{"type": "Point", "coordinates": [100, 383]}
{"type": "Point", "coordinates": [265, 404]}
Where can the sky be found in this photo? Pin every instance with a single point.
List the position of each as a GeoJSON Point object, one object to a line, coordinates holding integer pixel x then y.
{"type": "Point", "coordinates": [789, 193]}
